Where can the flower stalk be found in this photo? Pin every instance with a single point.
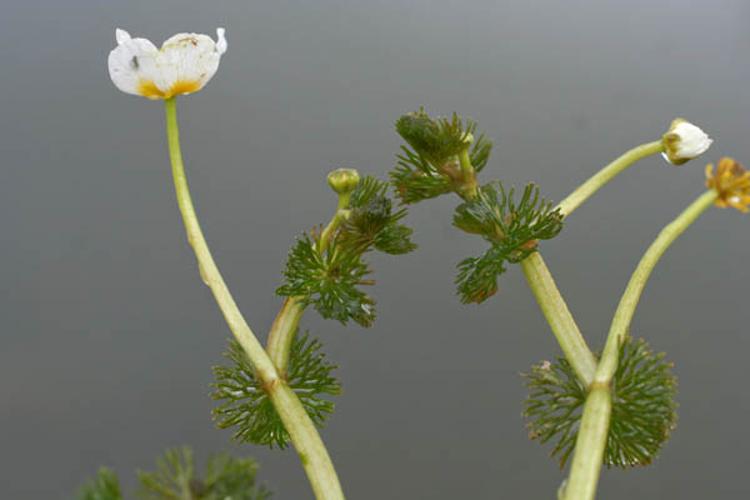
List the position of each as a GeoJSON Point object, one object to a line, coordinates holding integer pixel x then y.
{"type": "Point", "coordinates": [304, 436]}
{"type": "Point", "coordinates": [592, 436]}
{"type": "Point", "coordinates": [609, 172]}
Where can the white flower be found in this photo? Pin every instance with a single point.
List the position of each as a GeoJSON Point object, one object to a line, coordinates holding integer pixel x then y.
{"type": "Point", "coordinates": [684, 141]}
{"type": "Point", "coordinates": [184, 64]}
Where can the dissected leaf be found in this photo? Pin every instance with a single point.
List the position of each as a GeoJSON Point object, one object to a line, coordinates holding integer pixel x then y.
{"type": "Point", "coordinates": [643, 406]}
{"type": "Point", "coordinates": [246, 406]}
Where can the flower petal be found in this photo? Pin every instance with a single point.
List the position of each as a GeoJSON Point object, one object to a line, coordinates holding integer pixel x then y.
{"type": "Point", "coordinates": [187, 61]}
{"type": "Point", "coordinates": [132, 64]}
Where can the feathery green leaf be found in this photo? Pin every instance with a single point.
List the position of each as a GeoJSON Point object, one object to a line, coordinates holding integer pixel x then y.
{"type": "Point", "coordinates": [643, 406]}
{"type": "Point", "coordinates": [513, 229]}
{"type": "Point", "coordinates": [246, 405]}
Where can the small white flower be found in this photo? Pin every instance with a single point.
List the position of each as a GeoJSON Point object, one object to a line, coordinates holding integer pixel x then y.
{"type": "Point", "coordinates": [184, 64]}
{"type": "Point", "coordinates": [684, 141]}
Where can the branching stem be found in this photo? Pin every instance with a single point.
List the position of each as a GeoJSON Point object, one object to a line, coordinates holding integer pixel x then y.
{"type": "Point", "coordinates": [559, 318]}
{"type": "Point", "coordinates": [304, 435]}
{"type": "Point", "coordinates": [543, 285]}
{"type": "Point", "coordinates": [592, 436]}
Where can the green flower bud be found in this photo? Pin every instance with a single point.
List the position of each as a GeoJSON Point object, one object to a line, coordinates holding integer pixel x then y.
{"type": "Point", "coordinates": [343, 180]}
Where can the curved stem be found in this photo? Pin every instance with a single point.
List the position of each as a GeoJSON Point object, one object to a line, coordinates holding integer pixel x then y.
{"type": "Point", "coordinates": [304, 435]}
{"type": "Point", "coordinates": [282, 332]}
{"type": "Point", "coordinates": [593, 184]}
{"type": "Point", "coordinates": [592, 437]}
{"type": "Point", "coordinates": [559, 318]}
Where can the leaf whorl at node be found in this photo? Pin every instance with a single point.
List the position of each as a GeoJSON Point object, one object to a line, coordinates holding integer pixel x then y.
{"type": "Point", "coordinates": [643, 406]}
{"type": "Point", "coordinates": [429, 166]}
{"type": "Point", "coordinates": [513, 229]}
{"type": "Point", "coordinates": [225, 477]}
{"type": "Point", "coordinates": [328, 282]}
{"type": "Point", "coordinates": [246, 405]}
{"type": "Point", "coordinates": [331, 282]}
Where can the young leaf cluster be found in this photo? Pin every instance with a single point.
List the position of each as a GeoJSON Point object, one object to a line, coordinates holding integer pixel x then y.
{"type": "Point", "coordinates": [643, 406]}
{"type": "Point", "coordinates": [513, 229]}
{"type": "Point", "coordinates": [331, 281]}
{"type": "Point", "coordinates": [175, 478]}
{"type": "Point", "coordinates": [246, 406]}
{"type": "Point", "coordinates": [428, 167]}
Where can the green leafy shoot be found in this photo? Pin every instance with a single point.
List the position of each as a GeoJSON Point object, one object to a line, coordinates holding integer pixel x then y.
{"type": "Point", "coordinates": [225, 478]}
{"type": "Point", "coordinates": [436, 140]}
{"type": "Point", "coordinates": [429, 166]}
{"type": "Point", "coordinates": [174, 476]}
{"type": "Point", "coordinates": [232, 478]}
{"type": "Point", "coordinates": [373, 223]}
{"type": "Point", "coordinates": [246, 406]}
{"type": "Point", "coordinates": [105, 486]}
{"type": "Point", "coordinates": [643, 406]}
{"type": "Point", "coordinates": [513, 229]}
{"type": "Point", "coordinates": [331, 282]}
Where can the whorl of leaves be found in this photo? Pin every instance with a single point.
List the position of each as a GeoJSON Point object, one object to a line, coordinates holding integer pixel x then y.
{"type": "Point", "coordinates": [643, 406]}
{"type": "Point", "coordinates": [429, 168]}
{"type": "Point", "coordinates": [246, 406]}
{"type": "Point", "coordinates": [105, 486]}
{"type": "Point", "coordinates": [331, 281]}
{"type": "Point", "coordinates": [513, 229]}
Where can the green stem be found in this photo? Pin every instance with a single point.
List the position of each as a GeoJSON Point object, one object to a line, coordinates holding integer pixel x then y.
{"type": "Point", "coordinates": [281, 335]}
{"type": "Point", "coordinates": [543, 285]}
{"type": "Point", "coordinates": [592, 437]}
{"type": "Point", "coordinates": [559, 318]}
{"type": "Point", "coordinates": [468, 188]}
{"type": "Point", "coordinates": [591, 186]}
{"type": "Point", "coordinates": [338, 218]}
{"type": "Point", "coordinates": [304, 435]}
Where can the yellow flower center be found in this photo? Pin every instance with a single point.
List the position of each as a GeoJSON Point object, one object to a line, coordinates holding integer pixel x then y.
{"type": "Point", "coordinates": [147, 88]}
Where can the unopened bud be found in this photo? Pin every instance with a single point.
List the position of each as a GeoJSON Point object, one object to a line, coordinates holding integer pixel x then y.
{"type": "Point", "coordinates": [684, 141]}
{"type": "Point", "coordinates": [343, 180]}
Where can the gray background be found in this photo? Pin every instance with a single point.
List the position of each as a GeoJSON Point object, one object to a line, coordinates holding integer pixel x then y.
{"type": "Point", "coordinates": [108, 335]}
